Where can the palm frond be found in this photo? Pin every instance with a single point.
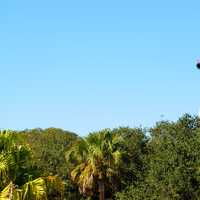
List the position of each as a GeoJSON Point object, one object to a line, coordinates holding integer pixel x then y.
{"type": "Point", "coordinates": [9, 193]}
{"type": "Point", "coordinates": [4, 166]}
{"type": "Point", "coordinates": [35, 190]}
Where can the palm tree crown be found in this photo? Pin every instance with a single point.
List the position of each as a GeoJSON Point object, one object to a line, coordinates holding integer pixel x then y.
{"type": "Point", "coordinates": [95, 161]}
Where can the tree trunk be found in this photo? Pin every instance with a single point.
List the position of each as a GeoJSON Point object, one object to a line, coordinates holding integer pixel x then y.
{"type": "Point", "coordinates": [101, 195]}
{"type": "Point", "coordinates": [101, 190]}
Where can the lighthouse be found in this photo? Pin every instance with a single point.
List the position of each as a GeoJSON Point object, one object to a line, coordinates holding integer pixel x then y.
{"type": "Point", "coordinates": [198, 64]}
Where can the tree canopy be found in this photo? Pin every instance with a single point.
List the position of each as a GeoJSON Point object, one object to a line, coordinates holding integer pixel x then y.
{"type": "Point", "coordinates": [158, 163]}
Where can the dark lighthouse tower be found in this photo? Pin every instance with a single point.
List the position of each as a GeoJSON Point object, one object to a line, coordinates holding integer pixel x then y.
{"type": "Point", "coordinates": [198, 64]}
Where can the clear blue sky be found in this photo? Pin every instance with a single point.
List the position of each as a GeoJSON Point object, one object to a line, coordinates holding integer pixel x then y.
{"type": "Point", "coordinates": [87, 65]}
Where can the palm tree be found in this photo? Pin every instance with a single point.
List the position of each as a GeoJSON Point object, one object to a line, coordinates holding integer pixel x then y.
{"type": "Point", "coordinates": [6, 157]}
{"type": "Point", "coordinates": [10, 192]}
{"type": "Point", "coordinates": [13, 162]}
{"type": "Point", "coordinates": [95, 161]}
{"type": "Point", "coordinates": [35, 189]}
{"type": "Point", "coordinates": [32, 190]}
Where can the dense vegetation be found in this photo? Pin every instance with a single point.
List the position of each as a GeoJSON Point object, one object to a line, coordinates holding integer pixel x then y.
{"type": "Point", "coordinates": [161, 163]}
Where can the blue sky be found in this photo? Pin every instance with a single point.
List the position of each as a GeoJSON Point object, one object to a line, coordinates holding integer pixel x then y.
{"type": "Point", "coordinates": [88, 65]}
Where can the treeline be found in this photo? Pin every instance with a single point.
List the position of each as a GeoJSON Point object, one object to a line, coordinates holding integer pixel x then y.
{"type": "Point", "coordinates": [160, 163]}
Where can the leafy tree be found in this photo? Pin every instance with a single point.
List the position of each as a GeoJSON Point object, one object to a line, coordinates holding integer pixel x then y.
{"type": "Point", "coordinates": [172, 163]}
{"type": "Point", "coordinates": [48, 147]}
{"type": "Point", "coordinates": [133, 166]}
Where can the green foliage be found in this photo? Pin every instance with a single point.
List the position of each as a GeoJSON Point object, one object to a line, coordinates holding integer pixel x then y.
{"type": "Point", "coordinates": [32, 190]}
{"type": "Point", "coordinates": [35, 189]}
{"type": "Point", "coordinates": [16, 173]}
{"type": "Point", "coordinates": [96, 159]}
{"type": "Point", "coordinates": [172, 161]}
{"type": "Point", "coordinates": [134, 146]}
{"type": "Point", "coordinates": [14, 159]}
{"type": "Point", "coordinates": [48, 147]}
{"type": "Point", "coordinates": [14, 162]}
{"type": "Point", "coordinates": [54, 164]}
{"type": "Point", "coordinates": [55, 188]}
